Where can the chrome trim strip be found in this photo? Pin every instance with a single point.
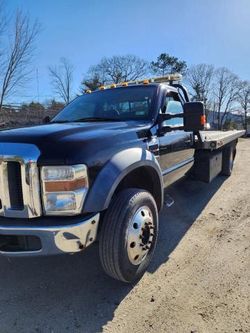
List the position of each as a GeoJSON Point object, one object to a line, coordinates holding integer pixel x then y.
{"type": "Point", "coordinates": [27, 155]}
{"type": "Point", "coordinates": [177, 166]}
{"type": "Point", "coordinates": [56, 239]}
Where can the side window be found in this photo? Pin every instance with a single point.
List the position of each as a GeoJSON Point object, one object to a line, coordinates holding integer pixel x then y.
{"type": "Point", "coordinates": [173, 106]}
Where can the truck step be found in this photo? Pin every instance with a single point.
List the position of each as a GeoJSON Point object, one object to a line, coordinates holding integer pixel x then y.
{"type": "Point", "coordinates": [169, 201]}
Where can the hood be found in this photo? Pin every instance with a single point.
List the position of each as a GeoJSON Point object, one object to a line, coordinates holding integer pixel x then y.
{"type": "Point", "coordinates": [69, 142]}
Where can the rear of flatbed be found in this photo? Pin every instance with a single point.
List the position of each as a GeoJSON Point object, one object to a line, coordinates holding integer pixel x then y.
{"type": "Point", "coordinates": [214, 154]}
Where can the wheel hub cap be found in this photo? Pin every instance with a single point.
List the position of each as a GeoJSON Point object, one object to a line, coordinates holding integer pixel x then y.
{"type": "Point", "coordinates": [140, 235]}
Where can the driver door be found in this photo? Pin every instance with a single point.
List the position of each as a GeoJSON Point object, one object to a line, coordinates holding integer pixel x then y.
{"type": "Point", "coordinates": [176, 154]}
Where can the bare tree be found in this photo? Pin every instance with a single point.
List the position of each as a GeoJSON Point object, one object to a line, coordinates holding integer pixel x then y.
{"type": "Point", "coordinates": [3, 19]}
{"type": "Point", "coordinates": [16, 55]}
{"type": "Point", "coordinates": [225, 91]}
{"type": "Point", "coordinates": [115, 69]}
{"type": "Point", "coordinates": [62, 79]}
{"type": "Point", "coordinates": [199, 78]}
{"type": "Point", "coordinates": [244, 99]}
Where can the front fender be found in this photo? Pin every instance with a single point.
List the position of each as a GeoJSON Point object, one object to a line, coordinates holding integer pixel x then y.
{"type": "Point", "coordinates": [121, 164]}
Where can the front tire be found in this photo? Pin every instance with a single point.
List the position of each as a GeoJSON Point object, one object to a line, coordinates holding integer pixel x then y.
{"type": "Point", "coordinates": [129, 235]}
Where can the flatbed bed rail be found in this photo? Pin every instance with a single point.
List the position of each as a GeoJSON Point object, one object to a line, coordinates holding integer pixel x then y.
{"type": "Point", "coordinates": [212, 140]}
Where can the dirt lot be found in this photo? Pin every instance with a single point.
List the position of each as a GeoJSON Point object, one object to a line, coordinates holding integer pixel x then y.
{"type": "Point", "coordinates": [199, 280]}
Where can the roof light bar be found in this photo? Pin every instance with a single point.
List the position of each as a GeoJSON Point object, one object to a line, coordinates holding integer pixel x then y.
{"type": "Point", "coordinates": [161, 79]}
{"type": "Point", "coordinates": [168, 78]}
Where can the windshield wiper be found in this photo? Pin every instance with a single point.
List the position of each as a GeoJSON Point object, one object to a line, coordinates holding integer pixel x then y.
{"type": "Point", "coordinates": [96, 119]}
{"type": "Point", "coordinates": [85, 120]}
{"type": "Point", "coordinates": [59, 122]}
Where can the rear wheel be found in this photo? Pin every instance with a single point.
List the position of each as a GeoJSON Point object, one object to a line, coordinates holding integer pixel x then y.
{"type": "Point", "coordinates": [129, 235]}
{"type": "Point", "coordinates": [228, 156]}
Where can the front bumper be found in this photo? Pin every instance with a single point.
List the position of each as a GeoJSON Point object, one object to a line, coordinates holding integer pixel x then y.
{"type": "Point", "coordinates": [47, 236]}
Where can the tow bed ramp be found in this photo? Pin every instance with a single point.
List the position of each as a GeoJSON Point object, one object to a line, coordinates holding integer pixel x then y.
{"type": "Point", "coordinates": [212, 140]}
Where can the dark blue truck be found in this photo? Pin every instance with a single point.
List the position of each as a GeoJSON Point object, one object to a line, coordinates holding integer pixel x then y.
{"type": "Point", "coordinates": [97, 172]}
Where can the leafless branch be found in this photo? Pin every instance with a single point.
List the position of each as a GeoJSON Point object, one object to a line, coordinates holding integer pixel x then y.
{"type": "Point", "coordinates": [62, 79]}
{"type": "Point", "coordinates": [199, 78]}
{"type": "Point", "coordinates": [225, 91]}
{"type": "Point", "coordinates": [115, 69]}
{"type": "Point", "coordinates": [18, 55]}
{"type": "Point", "coordinates": [244, 99]}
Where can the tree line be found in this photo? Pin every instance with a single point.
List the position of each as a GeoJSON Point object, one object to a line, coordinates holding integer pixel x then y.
{"type": "Point", "coordinates": [220, 89]}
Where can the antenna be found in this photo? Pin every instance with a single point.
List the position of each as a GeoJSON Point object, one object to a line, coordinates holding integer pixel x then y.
{"type": "Point", "coordinates": [37, 86]}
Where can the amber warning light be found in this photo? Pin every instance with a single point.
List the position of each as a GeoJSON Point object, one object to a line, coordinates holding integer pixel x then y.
{"type": "Point", "coordinates": [203, 120]}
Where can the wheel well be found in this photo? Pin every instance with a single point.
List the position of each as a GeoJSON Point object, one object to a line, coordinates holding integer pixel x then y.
{"type": "Point", "coordinates": [232, 145]}
{"type": "Point", "coordinates": [145, 178]}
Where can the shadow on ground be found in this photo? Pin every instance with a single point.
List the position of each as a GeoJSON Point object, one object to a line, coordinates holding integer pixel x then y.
{"type": "Point", "coordinates": [71, 293]}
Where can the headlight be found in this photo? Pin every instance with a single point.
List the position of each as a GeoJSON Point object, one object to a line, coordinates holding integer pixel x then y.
{"type": "Point", "coordinates": [64, 189]}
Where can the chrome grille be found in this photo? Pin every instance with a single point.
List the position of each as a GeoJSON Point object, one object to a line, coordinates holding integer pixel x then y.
{"type": "Point", "coordinates": [19, 181]}
{"type": "Point", "coordinates": [15, 185]}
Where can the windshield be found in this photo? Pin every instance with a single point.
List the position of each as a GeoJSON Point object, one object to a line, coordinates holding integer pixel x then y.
{"type": "Point", "coordinates": [126, 103]}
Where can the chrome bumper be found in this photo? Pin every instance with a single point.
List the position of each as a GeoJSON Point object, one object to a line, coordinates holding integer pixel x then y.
{"type": "Point", "coordinates": [55, 239]}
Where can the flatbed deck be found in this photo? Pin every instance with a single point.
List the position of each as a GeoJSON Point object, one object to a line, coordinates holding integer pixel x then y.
{"type": "Point", "coordinates": [216, 139]}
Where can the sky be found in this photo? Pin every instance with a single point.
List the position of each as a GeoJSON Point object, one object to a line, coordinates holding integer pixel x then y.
{"type": "Point", "coordinates": [83, 31]}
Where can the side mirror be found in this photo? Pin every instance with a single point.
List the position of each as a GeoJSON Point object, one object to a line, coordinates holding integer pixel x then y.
{"type": "Point", "coordinates": [46, 120]}
{"type": "Point", "coordinates": [194, 117]}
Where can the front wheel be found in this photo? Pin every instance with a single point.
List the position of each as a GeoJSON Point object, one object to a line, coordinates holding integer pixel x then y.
{"type": "Point", "coordinates": [129, 235]}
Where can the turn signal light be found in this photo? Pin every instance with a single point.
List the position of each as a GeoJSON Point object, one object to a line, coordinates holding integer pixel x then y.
{"type": "Point", "coordinates": [203, 120]}
{"type": "Point", "coordinates": [65, 185]}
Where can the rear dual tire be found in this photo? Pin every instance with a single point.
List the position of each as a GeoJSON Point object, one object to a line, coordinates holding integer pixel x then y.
{"type": "Point", "coordinates": [228, 156]}
{"type": "Point", "coordinates": [129, 234]}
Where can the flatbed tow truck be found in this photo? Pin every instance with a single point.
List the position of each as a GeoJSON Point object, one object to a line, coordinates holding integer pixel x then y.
{"type": "Point", "coordinates": [98, 170]}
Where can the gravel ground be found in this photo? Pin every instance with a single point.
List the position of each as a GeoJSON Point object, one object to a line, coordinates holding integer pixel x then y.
{"type": "Point", "coordinates": [199, 280]}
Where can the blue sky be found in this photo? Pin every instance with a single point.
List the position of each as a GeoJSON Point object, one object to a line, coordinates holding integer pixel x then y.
{"type": "Point", "coordinates": [197, 31]}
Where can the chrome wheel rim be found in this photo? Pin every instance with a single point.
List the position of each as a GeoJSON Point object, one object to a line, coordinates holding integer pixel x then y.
{"type": "Point", "coordinates": [140, 235]}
